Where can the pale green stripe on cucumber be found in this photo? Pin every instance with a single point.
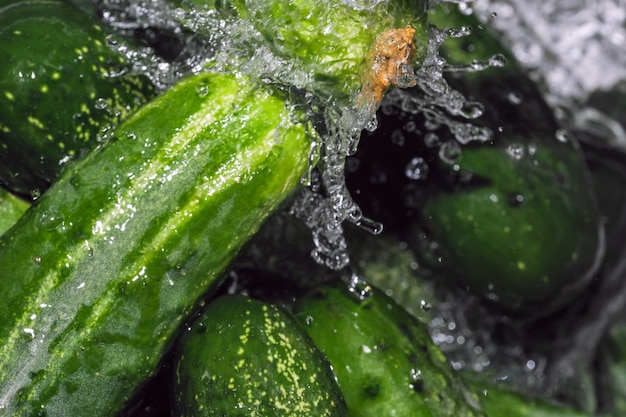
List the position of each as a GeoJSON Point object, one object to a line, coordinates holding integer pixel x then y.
{"type": "Point", "coordinates": [100, 272]}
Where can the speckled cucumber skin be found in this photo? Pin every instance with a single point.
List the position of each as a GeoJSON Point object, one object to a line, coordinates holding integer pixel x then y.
{"type": "Point", "coordinates": [385, 362]}
{"type": "Point", "coordinates": [99, 274]}
{"type": "Point", "coordinates": [62, 86]}
{"type": "Point", "coordinates": [524, 230]}
{"type": "Point", "coordinates": [244, 357]}
{"type": "Point", "coordinates": [501, 399]}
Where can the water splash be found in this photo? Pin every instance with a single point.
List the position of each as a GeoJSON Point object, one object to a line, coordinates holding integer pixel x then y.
{"type": "Point", "coordinates": [205, 35]}
{"type": "Point", "coordinates": [576, 46]}
{"type": "Point", "coordinates": [440, 104]}
{"type": "Point", "coordinates": [575, 50]}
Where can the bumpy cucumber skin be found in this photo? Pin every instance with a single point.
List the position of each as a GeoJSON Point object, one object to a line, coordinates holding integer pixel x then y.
{"type": "Point", "coordinates": [327, 39]}
{"type": "Point", "coordinates": [384, 359]}
{"type": "Point", "coordinates": [525, 231]}
{"type": "Point", "coordinates": [62, 86]}
{"type": "Point", "coordinates": [11, 209]}
{"type": "Point", "coordinates": [100, 272]}
{"type": "Point", "coordinates": [500, 400]}
{"type": "Point", "coordinates": [244, 357]}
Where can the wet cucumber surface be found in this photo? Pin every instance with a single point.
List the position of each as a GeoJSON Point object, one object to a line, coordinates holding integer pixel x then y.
{"type": "Point", "coordinates": [246, 357]}
{"type": "Point", "coordinates": [62, 90]}
{"type": "Point", "coordinates": [99, 274]}
{"type": "Point", "coordinates": [384, 359]}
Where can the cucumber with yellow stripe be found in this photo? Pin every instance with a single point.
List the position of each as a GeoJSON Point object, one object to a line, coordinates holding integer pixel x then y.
{"type": "Point", "coordinates": [62, 88]}
{"type": "Point", "coordinates": [101, 271]}
{"type": "Point", "coordinates": [242, 356]}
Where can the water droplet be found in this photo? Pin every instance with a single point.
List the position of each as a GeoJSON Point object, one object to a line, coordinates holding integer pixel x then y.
{"type": "Point", "coordinates": [35, 194]}
{"type": "Point", "coordinates": [431, 140]}
{"type": "Point", "coordinates": [515, 151]}
{"type": "Point", "coordinates": [563, 135]}
{"type": "Point", "coordinates": [360, 288]}
{"type": "Point", "coordinates": [202, 90]}
{"type": "Point", "coordinates": [178, 14]}
{"type": "Point", "coordinates": [515, 97]}
{"type": "Point", "coordinates": [472, 109]}
{"type": "Point", "coordinates": [397, 137]}
{"type": "Point", "coordinates": [406, 77]}
{"type": "Point", "coordinates": [372, 125]}
{"type": "Point", "coordinates": [416, 382]}
{"type": "Point", "coordinates": [49, 220]}
{"type": "Point", "coordinates": [369, 225]}
{"type": "Point", "coordinates": [449, 151]}
{"type": "Point", "coordinates": [410, 126]}
{"type": "Point", "coordinates": [515, 199]}
{"type": "Point", "coordinates": [100, 104]}
{"type": "Point", "coordinates": [497, 60]}
{"type": "Point", "coordinates": [416, 169]}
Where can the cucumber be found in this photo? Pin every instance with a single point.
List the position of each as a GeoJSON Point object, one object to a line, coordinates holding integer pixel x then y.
{"type": "Point", "coordinates": [244, 357]}
{"type": "Point", "coordinates": [337, 49]}
{"type": "Point", "coordinates": [500, 400]}
{"type": "Point", "coordinates": [11, 209]}
{"type": "Point", "coordinates": [383, 357]}
{"type": "Point", "coordinates": [98, 275]}
{"type": "Point", "coordinates": [62, 87]}
{"type": "Point", "coordinates": [516, 219]}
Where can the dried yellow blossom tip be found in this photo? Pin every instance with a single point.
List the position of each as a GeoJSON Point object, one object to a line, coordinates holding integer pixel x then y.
{"type": "Point", "coordinates": [388, 64]}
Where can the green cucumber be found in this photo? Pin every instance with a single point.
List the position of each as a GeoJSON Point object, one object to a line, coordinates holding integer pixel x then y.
{"type": "Point", "coordinates": [98, 275]}
{"type": "Point", "coordinates": [331, 45]}
{"type": "Point", "coordinates": [62, 87]}
{"type": "Point", "coordinates": [383, 357]}
{"type": "Point", "coordinates": [244, 357]}
{"type": "Point", "coordinates": [11, 209]}
{"type": "Point", "coordinates": [500, 400]}
{"type": "Point", "coordinates": [517, 221]}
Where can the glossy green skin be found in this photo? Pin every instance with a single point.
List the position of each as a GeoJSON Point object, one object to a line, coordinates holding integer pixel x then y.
{"type": "Point", "coordinates": [11, 208]}
{"type": "Point", "coordinates": [327, 39]}
{"type": "Point", "coordinates": [384, 359]}
{"type": "Point", "coordinates": [244, 357]}
{"type": "Point", "coordinates": [100, 272]}
{"type": "Point", "coordinates": [61, 88]}
{"type": "Point", "coordinates": [499, 400]}
{"type": "Point", "coordinates": [531, 256]}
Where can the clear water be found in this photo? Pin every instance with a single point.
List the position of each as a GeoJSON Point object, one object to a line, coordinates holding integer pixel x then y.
{"type": "Point", "coordinates": [575, 49]}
